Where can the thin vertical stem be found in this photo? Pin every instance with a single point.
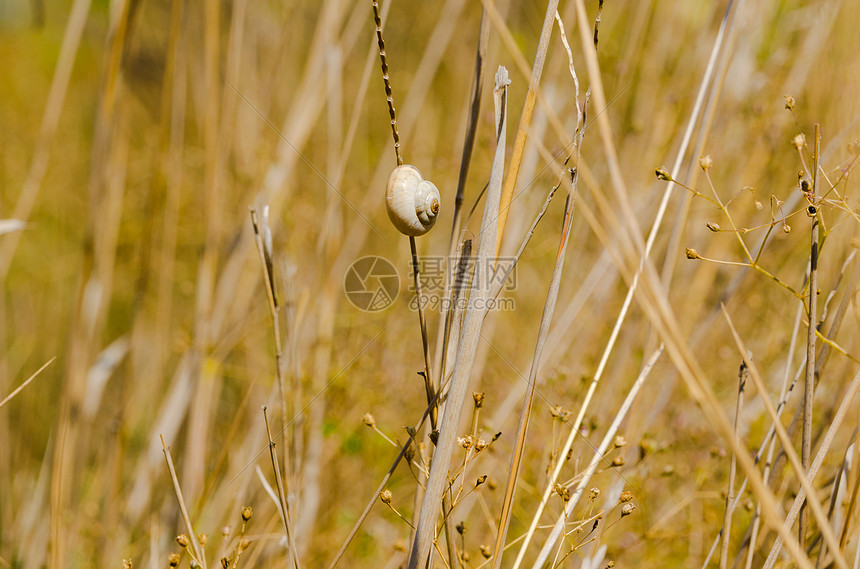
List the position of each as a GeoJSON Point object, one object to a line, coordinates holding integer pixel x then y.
{"type": "Point", "coordinates": [288, 526]}
{"type": "Point", "coordinates": [387, 81]}
{"type": "Point", "coordinates": [727, 519]}
{"type": "Point", "coordinates": [428, 379]}
{"type": "Point", "coordinates": [525, 120]}
{"type": "Point", "coordinates": [809, 388]}
{"type": "Point", "coordinates": [195, 544]}
{"type": "Point", "coordinates": [473, 319]}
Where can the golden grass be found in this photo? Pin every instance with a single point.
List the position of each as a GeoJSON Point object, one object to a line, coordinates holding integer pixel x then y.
{"type": "Point", "coordinates": [136, 135]}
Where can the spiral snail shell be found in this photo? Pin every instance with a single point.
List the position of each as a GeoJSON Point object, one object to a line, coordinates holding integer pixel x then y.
{"type": "Point", "coordinates": [412, 202]}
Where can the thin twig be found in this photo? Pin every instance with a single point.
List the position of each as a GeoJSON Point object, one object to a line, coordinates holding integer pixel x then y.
{"type": "Point", "coordinates": [598, 456]}
{"type": "Point", "coordinates": [546, 319]}
{"type": "Point", "coordinates": [809, 387]}
{"type": "Point", "coordinates": [730, 494]}
{"type": "Point", "coordinates": [375, 497]}
{"type": "Point", "coordinates": [387, 81]}
{"type": "Point", "coordinates": [198, 551]}
{"type": "Point", "coordinates": [525, 121]}
{"type": "Point", "coordinates": [817, 510]}
{"type": "Point", "coordinates": [652, 236]}
{"type": "Point", "coordinates": [285, 511]}
{"type": "Point", "coordinates": [26, 382]}
{"type": "Point", "coordinates": [473, 320]}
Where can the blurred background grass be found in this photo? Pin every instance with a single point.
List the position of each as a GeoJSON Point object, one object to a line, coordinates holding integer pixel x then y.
{"type": "Point", "coordinates": [138, 271]}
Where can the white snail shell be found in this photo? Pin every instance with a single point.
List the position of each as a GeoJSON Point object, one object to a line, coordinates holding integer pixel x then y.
{"type": "Point", "coordinates": [412, 202]}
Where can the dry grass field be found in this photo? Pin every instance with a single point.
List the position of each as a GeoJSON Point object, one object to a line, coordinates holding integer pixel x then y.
{"type": "Point", "coordinates": [195, 372]}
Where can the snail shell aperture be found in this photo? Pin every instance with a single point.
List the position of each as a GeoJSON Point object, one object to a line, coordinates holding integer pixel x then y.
{"type": "Point", "coordinates": [412, 202]}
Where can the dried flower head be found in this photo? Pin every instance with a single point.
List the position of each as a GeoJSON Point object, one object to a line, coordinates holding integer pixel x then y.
{"type": "Point", "coordinates": [789, 102]}
{"type": "Point", "coordinates": [173, 560]}
{"type": "Point", "coordinates": [466, 442]}
{"type": "Point", "coordinates": [385, 496]}
{"type": "Point", "coordinates": [799, 141]}
{"type": "Point", "coordinates": [594, 493]}
{"type": "Point", "coordinates": [627, 509]}
{"type": "Point", "coordinates": [202, 538]}
{"type": "Point", "coordinates": [244, 544]}
{"type": "Point", "coordinates": [480, 480]}
{"type": "Point", "coordinates": [225, 562]}
{"type": "Point", "coordinates": [715, 227]}
{"type": "Point", "coordinates": [618, 461]}
{"type": "Point", "coordinates": [486, 551]}
{"type": "Point", "coordinates": [461, 528]}
{"type": "Point", "coordinates": [626, 496]}
{"type": "Point", "coordinates": [663, 174]}
{"type": "Point", "coordinates": [619, 441]}
{"type": "Point", "coordinates": [479, 399]}
{"type": "Point", "coordinates": [182, 540]}
{"type": "Point", "coordinates": [481, 445]}
{"type": "Point", "coordinates": [126, 564]}
{"type": "Point", "coordinates": [692, 254]}
{"type": "Point", "coordinates": [247, 512]}
{"type": "Point", "coordinates": [705, 162]}
{"type": "Point", "coordinates": [368, 420]}
{"type": "Point", "coordinates": [559, 412]}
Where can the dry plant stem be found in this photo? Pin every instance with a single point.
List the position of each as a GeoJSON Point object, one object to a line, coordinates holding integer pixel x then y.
{"type": "Point", "coordinates": [460, 282]}
{"type": "Point", "coordinates": [655, 304]}
{"type": "Point", "coordinates": [105, 186]}
{"type": "Point", "coordinates": [375, 496]}
{"type": "Point", "coordinates": [832, 429]}
{"type": "Point", "coordinates": [198, 551]}
{"type": "Point", "coordinates": [468, 145]}
{"type": "Point", "coordinates": [596, 459]}
{"type": "Point", "coordinates": [813, 502]}
{"type": "Point", "coordinates": [428, 378]}
{"type": "Point", "coordinates": [597, 21]}
{"type": "Point", "coordinates": [21, 387]}
{"type": "Point", "coordinates": [263, 240]}
{"type": "Point", "coordinates": [546, 320]}
{"type": "Point", "coordinates": [471, 124]}
{"type": "Point", "coordinates": [769, 442]}
{"type": "Point", "coordinates": [497, 288]}
{"type": "Point", "coordinates": [809, 387]}
{"type": "Point", "coordinates": [834, 494]}
{"type": "Point", "coordinates": [525, 120]}
{"type": "Point", "coordinates": [652, 236]}
{"type": "Point", "coordinates": [852, 503]}
{"type": "Point", "coordinates": [727, 519]}
{"type": "Point", "coordinates": [519, 446]}
{"type": "Point", "coordinates": [51, 118]}
{"type": "Point", "coordinates": [285, 511]}
{"type": "Point", "coordinates": [387, 81]}
{"type": "Point", "coordinates": [673, 248]}
{"type": "Point", "coordinates": [472, 322]}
